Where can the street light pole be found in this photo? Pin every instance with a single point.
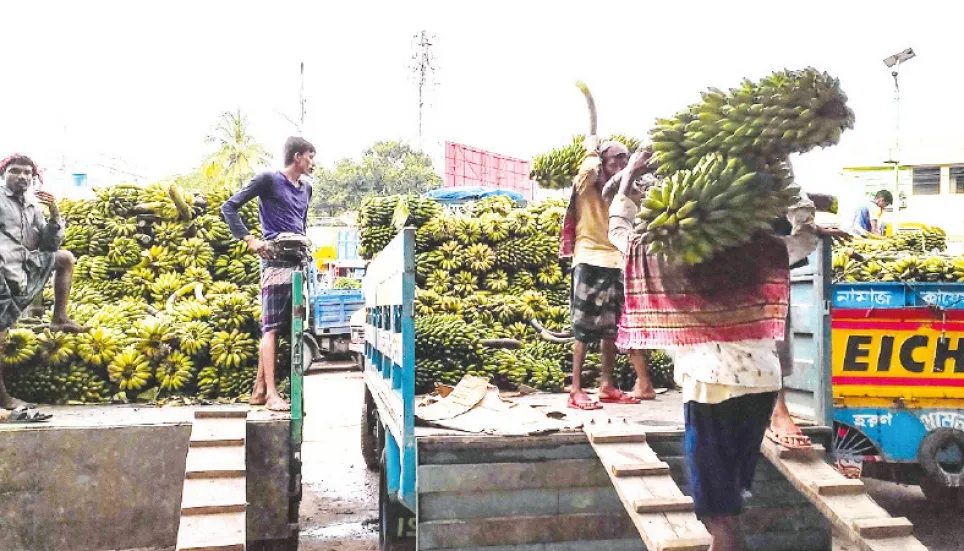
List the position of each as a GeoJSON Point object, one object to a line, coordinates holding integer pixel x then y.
{"type": "Point", "coordinates": [894, 62]}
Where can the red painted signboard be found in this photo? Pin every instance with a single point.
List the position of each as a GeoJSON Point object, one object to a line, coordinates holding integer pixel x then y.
{"type": "Point", "coordinates": [468, 166]}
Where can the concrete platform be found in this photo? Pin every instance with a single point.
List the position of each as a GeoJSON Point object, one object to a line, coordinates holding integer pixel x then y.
{"type": "Point", "coordinates": [99, 478]}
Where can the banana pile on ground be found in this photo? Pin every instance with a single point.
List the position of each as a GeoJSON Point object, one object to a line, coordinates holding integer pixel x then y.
{"type": "Point", "coordinates": [722, 162]}
{"type": "Point", "coordinates": [901, 257]}
{"type": "Point", "coordinates": [557, 168]}
{"type": "Point", "coordinates": [172, 300]}
{"type": "Point", "coordinates": [483, 274]}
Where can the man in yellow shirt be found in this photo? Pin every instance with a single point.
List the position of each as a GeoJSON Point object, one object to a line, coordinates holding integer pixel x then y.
{"type": "Point", "coordinates": [597, 278]}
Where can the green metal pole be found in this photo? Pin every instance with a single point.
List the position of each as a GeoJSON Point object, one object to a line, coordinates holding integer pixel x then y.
{"type": "Point", "coordinates": [298, 311]}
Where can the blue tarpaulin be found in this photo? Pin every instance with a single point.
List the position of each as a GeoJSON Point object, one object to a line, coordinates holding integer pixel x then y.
{"type": "Point", "coordinates": [463, 194]}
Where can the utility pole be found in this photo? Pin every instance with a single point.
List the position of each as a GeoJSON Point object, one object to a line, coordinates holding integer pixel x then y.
{"type": "Point", "coordinates": [424, 67]}
{"type": "Point", "coordinates": [301, 98]}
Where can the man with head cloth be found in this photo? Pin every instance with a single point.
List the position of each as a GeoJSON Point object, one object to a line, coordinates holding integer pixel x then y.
{"type": "Point", "coordinates": [597, 280]}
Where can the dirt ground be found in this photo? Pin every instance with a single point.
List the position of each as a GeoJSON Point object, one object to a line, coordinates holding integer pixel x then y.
{"type": "Point", "coordinates": [339, 508]}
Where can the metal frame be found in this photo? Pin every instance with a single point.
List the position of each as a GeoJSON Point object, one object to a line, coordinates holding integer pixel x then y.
{"type": "Point", "coordinates": [389, 288]}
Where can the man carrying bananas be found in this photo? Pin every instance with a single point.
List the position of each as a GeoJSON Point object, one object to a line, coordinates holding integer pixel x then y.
{"type": "Point", "coordinates": [283, 208]}
{"type": "Point", "coordinates": [866, 222]}
{"type": "Point", "coordinates": [722, 320]}
{"type": "Point", "coordinates": [597, 279]}
{"type": "Point", "coordinates": [29, 253]}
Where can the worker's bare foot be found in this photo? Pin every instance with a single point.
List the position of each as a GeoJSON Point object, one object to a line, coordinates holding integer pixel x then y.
{"type": "Point", "coordinates": [9, 402]}
{"type": "Point", "coordinates": [785, 432]}
{"type": "Point", "coordinates": [67, 325]}
{"type": "Point", "coordinates": [259, 396]}
{"type": "Point", "coordinates": [643, 391]}
{"type": "Point", "coordinates": [4, 413]}
{"type": "Point", "coordinates": [277, 403]}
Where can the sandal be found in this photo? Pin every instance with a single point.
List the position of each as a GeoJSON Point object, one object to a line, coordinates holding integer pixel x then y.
{"type": "Point", "coordinates": [618, 397]}
{"type": "Point", "coordinates": [585, 405]}
{"type": "Point", "coordinates": [24, 415]}
{"type": "Point", "coordinates": [790, 441]}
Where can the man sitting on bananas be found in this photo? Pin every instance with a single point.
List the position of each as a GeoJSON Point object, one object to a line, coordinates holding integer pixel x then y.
{"type": "Point", "coordinates": [283, 208]}
{"type": "Point", "coordinates": [29, 254]}
{"type": "Point", "coordinates": [597, 280]}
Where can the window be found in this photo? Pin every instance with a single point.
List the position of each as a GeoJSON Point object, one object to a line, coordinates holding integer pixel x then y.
{"type": "Point", "coordinates": [927, 180]}
{"type": "Point", "coordinates": [957, 179]}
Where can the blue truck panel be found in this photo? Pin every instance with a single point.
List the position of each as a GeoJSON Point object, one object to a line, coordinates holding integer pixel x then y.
{"type": "Point", "coordinates": [332, 309]}
{"type": "Point", "coordinates": [347, 246]}
{"type": "Point", "coordinates": [898, 295]}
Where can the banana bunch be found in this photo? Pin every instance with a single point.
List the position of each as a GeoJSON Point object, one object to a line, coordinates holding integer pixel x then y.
{"type": "Point", "coordinates": [130, 370]}
{"type": "Point", "coordinates": [99, 346]}
{"type": "Point", "coordinates": [498, 205]}
{"type": "Point", "coordinates": [347, 283]}
{"type": "Point", "coordinates": [168, 234]}
{"type": "Point", "coordinates": [156, 201]}
{"type": "Point", "coordinates": [195, 253]}
{"type": "Point", "coordinates": [232, 350]}
{"type": "Point", "coordinates": [120, 227]}
{"type": "Point", "coordinates": [496, 281]}
{"type": "Point", "coordinates": [77, 239]}
{"type": "Point", "coordinates": [465, 283]}
{"type": "Point", "coordinates": [377, 211]}
{"type": "Point", "coordinates": [414, 210]}
{"type": "Point", "coordinates": [521, 282]}
{"type": "Point", "coordinates": [118, 200]}
{"type": "Point", "coordinates": [123, 253]}
{"type": "Point", "coordinates": [550, 221]}
{"type": "Point", "coordinates": [373, 239]}
{"type": "Point", "coordinates": [194, 336]}
{"type": "Point", "coordinates": [175, 371]}
{"type": "Point", "coordinates": [468, 230]}
{"type": "Point", "coordinates": [438, 282]}
{"type": "Point", "coordinates": [479, 258]}
{"type": "Point", "coordinates": [693, 214]}
{"type": "Point", "coordinates": [208, 382]}
{"type": "Point", "coordinates": [83, 386]}
{"type": "Point", "coordinates": [786, 112]}
{"type": "Point", "coordinates": [212, 229]}
{"type": "Point", "coordinates": [56, 349]}
{"type": "Point", "coordinates": [152, 337]}
{"type": "Point", "coordinates": [19, 348]}
{"type": "Point", "coordinates": [234, 383]}
{"type": "Point", "coordinates": [231, 312]}
{"type": "Point", "coordinates": [495, 227]}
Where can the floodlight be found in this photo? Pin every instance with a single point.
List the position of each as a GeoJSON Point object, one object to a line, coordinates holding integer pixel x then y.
{"type": "Point", "coordinates": [900, 57]}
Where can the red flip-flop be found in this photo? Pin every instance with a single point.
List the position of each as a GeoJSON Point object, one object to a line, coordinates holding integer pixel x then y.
{"type": "Point", "coordinates": [619, 397]}
{"type": "Point", "coordinates": [585, 405]}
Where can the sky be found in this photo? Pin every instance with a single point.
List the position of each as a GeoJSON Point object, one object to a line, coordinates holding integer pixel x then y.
{"type": "Point", "coordinates": [138, 85]}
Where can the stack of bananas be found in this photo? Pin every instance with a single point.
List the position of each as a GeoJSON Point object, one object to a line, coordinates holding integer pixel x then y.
{"type": "Point", "coordinates": [486, 274]}
{"type": "Point", "coordinates": [723, 161]}
{"type": "Point", "coordinates": [910, 256]}
{"type": "Point", "coordinates": [172, 299]}
{"type": "Point", "coordinates": [557, 168]}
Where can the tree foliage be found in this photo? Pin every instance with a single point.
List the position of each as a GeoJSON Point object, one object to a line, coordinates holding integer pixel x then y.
{"type": "Point", "coordinates": [237, 154]}
{"type": "Point", "coordinates": [386, 168]}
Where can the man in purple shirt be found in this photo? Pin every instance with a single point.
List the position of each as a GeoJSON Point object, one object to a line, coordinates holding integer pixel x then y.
{"type": "Point", "coordinates": [283, 208]}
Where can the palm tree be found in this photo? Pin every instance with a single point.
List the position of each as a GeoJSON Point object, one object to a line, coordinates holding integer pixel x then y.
{"type": "Point", "coordinates": [237, 154]}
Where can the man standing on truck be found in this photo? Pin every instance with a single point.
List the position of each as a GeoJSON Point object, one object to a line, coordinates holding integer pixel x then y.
{"type": "Point", "coordinates": [866, 221]}
{"type": "Point", "coordinates": [29, 253]}
{"type": "Point", "coordinates": [722, 319]}
{"type": "Point", "coordinates": [597, 279]}
{"type": "Point", "coordinates": [283, 208]}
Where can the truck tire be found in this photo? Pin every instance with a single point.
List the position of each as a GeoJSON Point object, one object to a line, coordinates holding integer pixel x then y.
{"type": "Point", "coordinates": [396, 523]}
{"type": "Point", "coordinates": [369, 432]}
{"type": "Point", "coordinates": [942, 482]}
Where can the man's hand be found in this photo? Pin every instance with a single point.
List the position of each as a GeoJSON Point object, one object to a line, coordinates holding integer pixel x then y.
{"type": "Point", "coordinates": [50, 202]}
{"type": "Point", "coordinates": [639, 162]}
{"type": "Point", "coordinates": [838, 235]}
{"type": "Point", "coordinates": [259, 247]}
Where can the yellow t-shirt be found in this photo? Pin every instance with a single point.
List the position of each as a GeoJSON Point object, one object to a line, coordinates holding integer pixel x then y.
{"type": "Point", "coordinates": [592, 220]}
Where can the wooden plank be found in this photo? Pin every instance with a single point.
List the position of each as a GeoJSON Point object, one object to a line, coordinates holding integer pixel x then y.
{"type": "Point", "coordinates": [640, 469]}
{"type": "Point", "coordinates": [673, 530]}
{"type": "Point", "coordinates": [215, 460]}
{"type": "Point", "coordinates": [566, 473]}
{"type": "Point", "coordinates": [838, 487]}
{"type": "Point", "coordinates": [843, 510]}
{"type": "Point", "coordinates": [888, 527]}
{"type": "Point", "coordinates": [522, 530]}
{"type": "Point", "coordinates": [616, 437]}
{"type": "Point", "coordinates": [218, 432]}
{"type": "Point", "coordinates": [816, 451]}
{"type": "Point", "coordinates": [664, 505]}
{"type": "Point", "coordinates": [221, 413]}
{"type": "Point", "coordinates": [219, 495]}
{"type": "Point", "coordinates": [221, 532]}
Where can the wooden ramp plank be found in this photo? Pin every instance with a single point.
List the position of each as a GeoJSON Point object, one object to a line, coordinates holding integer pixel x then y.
{"type": "Point", "coordinates": [219, 532]}
{"type": "Point", "coordinates": [853, 512]}
{"type": "Point", "coordinates": [218, 432]}
{"type": "Point", "coordinates": [214, 497]}
{"type": "Point", "coordinates": [667, 523]}
{"type": "Point", "coordinates": [640, 469]}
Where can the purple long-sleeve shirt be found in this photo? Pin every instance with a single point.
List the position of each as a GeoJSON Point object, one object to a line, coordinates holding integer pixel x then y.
{"type": "Point", "coordinates": [283, 207]}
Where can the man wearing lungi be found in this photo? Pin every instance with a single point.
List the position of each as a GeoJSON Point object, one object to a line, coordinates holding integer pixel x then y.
{"type": "Point", "coordinates": [29, 254]}
{"type": "Point", "coordinates": [283, 208]}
